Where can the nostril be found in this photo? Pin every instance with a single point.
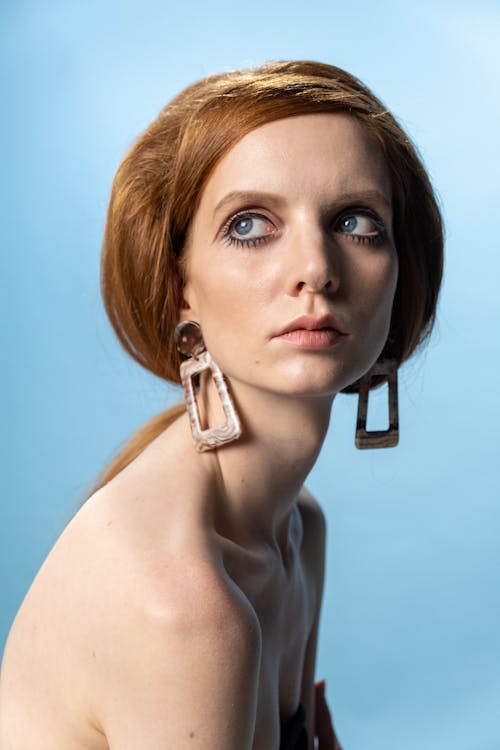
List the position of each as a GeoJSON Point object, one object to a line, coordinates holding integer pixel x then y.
{"type": "Point", "coordinates": [315, 286]}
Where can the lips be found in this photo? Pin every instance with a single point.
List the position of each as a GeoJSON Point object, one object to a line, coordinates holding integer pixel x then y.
{"type": "Point", "coordinates": [308, 332]}
{"type": "Point", "coordinates": [310, 323]}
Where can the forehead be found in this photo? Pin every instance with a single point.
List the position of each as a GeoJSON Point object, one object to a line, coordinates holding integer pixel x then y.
{"type": "Point", "coordinates": [301, 156]}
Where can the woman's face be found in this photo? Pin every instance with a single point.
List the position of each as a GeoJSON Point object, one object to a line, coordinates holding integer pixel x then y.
{"type": "Point", "coordinates": [294, 231]}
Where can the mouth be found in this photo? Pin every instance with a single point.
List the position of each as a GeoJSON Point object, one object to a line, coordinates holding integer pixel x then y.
{"type": "Point", "coordinates": [308, 332]}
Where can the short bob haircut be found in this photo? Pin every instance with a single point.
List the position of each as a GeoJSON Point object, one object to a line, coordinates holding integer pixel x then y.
{"type": "Point", "coordinates": [158, 187]}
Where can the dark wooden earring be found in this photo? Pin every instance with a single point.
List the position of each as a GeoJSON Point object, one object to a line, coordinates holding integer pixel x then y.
{"type": "Point", "coordinates": [378, 438]}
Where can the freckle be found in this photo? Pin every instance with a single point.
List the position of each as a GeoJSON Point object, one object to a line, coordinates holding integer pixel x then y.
{"type": "Point", "coordinates": [191, 735]}
{"type": "Point", "coordinates": [109, 523]}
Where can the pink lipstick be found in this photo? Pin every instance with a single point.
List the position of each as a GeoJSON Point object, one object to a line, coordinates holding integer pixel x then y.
{"type": "Point", "coordinates": [308, 332]}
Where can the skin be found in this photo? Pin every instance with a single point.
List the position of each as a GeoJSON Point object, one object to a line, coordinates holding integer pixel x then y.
{"type": "Point", "coordinates": [171, 594]}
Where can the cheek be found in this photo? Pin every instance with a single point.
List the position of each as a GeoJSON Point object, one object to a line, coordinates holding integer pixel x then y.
{"type": "Point", "coordinates": [378, 280]}
{"type": "Point", "coordinates": [388, 290]}
{"type": "Point", "coordinates": [373, 286]}
{"type": "Point", "coordinates": [387, 282]}
{"type": "Point", "coordinates": [392, 276]}
{"type": "Point", "coordinates": [237, 283]}
{"type": "Point", "coordinates": [232, 304]}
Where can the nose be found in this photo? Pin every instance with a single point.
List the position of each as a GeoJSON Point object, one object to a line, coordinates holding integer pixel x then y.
{"type": "Point", "coordinates": [314, 266]}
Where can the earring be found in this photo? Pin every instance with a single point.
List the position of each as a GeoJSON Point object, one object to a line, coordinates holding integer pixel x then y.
{"type": "Point", "coordinates": [378, 438]}
{"type": "Point", "coordinates": [189, 341]}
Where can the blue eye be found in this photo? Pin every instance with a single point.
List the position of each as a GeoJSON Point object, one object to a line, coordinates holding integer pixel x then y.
{"type": "Point", "coordinates": [238, 228]}
{"type": "Point", "coordinates": [361, 227]}
{"type": "Point", "coordinates": [252, 229]}
{"type": "Point", "coordinates": [243, 226]}
{"type": "Point", "coordinates": [349, 224]}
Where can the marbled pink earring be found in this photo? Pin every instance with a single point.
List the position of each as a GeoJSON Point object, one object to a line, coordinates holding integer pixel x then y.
{"type": "Point", "coordinates": [189, 341]}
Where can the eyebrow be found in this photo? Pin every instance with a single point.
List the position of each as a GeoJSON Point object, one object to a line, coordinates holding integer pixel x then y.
{"type": "Point", "coordinates": [248, 196]}
{"type": "Point", "coordinates": [255, 196]}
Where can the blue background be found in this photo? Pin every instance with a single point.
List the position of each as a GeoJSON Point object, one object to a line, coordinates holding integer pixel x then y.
{"type": "Point", "coordinates": [410, 638]}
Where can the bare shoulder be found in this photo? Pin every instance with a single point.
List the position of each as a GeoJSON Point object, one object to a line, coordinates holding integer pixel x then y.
{"type": "Point", "coordinates": [151, 562]}
{"type": "Point", "coordinates": [178, 644]}
{"type": "Point", "coordinates": [170, 676]}
{"type": "Point", "coordinates": [138, 629]}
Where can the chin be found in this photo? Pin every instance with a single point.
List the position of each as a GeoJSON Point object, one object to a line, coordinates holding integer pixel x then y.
{"type": "Point", "coordinates": [310, 384]}
{"type": "Point", "coordinates": [312, 379]}
{"type": "Point", "coordinates": [313, 390]}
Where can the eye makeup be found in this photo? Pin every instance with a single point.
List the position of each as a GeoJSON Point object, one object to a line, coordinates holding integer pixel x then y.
{"type": "Point", "coordinates": [374, 237]}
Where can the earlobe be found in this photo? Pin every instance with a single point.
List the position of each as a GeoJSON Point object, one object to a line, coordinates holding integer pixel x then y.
{"type": "Point", "coordinates": [187, 309]}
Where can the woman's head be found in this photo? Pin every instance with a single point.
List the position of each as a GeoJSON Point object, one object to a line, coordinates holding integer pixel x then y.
{"type": "Point", "coordinates": [290, 265]}
{"type": "Point", "coordinates": [160, 184]}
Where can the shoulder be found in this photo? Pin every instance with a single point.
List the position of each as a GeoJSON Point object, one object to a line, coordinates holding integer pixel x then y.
{"type": "Point", "coordinates": [171, 641]}
{"type": "Point", "coordinates": [192, 674]}
{"type": "Point", "coordinates": [180, 647]}
{"type": "Point", "coordinates": [188, 611]}
{"type": "Point", "coordinates": [159, 567]}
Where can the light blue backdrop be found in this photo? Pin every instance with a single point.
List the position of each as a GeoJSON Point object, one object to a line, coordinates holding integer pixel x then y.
{"type": "Point", "coordinates": [410, 639]}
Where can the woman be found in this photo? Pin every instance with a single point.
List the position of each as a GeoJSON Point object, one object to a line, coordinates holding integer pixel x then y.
{"type": "Point", "coordinates": [275, 228]}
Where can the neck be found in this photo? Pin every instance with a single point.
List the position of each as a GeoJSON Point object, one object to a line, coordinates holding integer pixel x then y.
{"type": "Point", "coordinates": [262, 473]}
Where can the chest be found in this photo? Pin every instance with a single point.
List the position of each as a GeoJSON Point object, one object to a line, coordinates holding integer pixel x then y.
{"type": "Point", "coordinates": [284, 600]}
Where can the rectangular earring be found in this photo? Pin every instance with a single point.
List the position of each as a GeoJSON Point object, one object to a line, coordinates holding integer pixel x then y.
{"type": "Point", "coordinates": [378, 438]}
{"type": "Point", "coordinates": [209, 439]}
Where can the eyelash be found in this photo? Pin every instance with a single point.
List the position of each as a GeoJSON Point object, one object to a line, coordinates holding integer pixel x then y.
{"type": "Point", "coordinates": [252, 241]}
{"type": "Point", "coordinates": [374, 241]}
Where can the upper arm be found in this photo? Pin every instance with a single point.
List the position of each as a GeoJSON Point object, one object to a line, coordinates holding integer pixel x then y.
{"type": "Point", "coordinates": [185, 678]}
{"type": "Point", "coordinates": [314, 524]}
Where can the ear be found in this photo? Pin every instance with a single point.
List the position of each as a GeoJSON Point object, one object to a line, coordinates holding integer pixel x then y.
{"type": "Point", "coordinates": [188, 308]}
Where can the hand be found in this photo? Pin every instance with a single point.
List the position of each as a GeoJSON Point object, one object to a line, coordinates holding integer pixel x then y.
{"type": "Point", "coordinates": [323, 727]}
